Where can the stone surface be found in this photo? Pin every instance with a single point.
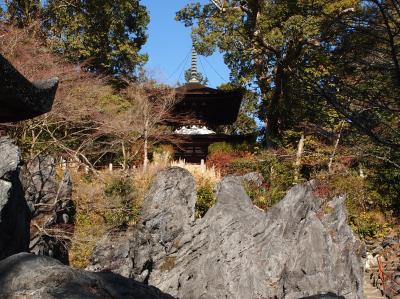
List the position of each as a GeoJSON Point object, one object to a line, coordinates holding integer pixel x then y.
{"type": "Point", "coordinates": [254, 178]}
{"type": "Point", "coordinates": [52, 208]}
{"type": "Point", "coordinates": [14, 213]}
{"type": "Point", "coordinates": [21, 99]}
{"type": "Point", "coordinates": [302, 247]}
{"type": "Point", "coordinates": [29, 276]}
{"type": "Point", "coordinates": [167, 214]}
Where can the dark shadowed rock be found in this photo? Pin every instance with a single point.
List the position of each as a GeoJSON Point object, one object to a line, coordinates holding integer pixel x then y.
{"type": "Point", "coordinates": [29, 276]}
{"type": "Point", "coordinates": [52, 208]}
{"type": "Point", "coordinates": [301, 247]}
{"type": "Point", "coordinates": [21, 99]}
{"type": "Point", "coordinates": [14, 213]}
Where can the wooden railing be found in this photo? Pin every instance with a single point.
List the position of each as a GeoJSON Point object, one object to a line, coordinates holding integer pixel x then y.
{"type": "Point", "coordinates": [390, 287]}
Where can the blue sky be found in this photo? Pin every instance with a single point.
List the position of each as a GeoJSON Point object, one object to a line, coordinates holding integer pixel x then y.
{"type": "Point", "coordinates": [170, 42]}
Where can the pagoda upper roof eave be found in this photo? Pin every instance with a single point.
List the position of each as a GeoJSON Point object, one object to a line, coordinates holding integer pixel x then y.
{"type": "Point", "coordinates": [199, 90]}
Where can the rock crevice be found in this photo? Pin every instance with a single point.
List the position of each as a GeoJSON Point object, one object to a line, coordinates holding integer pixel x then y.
{"type": "Point", "coordinates": [14, 212]}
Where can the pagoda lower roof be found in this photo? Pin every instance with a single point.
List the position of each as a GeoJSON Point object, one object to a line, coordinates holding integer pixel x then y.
{"type": "Point", "coordinates": [207, 105]}
{"type": "Point", "coordinates": [19, 98]}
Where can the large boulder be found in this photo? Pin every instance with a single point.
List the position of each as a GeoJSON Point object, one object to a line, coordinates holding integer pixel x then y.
{"type": "Point", "coordinates": [26, 275]}
{"type": "Point", "coordinates": [52, 208]}
{"type": "Point", "coordinates": [302, 247]}
{"type": "Point", "coordinates": [14, 213]}
{"type": "Point", "coordinates": [168, 213]}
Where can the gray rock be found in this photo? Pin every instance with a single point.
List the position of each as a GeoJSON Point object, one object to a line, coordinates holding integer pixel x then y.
{"type": "Point", "coordinates": [301, 247]}
{"type": "Point", "coordinates": [29, 276]}
{"type": "Point", "coordinates": [167, 213]}
{"type": "Point", "coordinates": [255, 178]}
{"type": "Point", "coordinates": [324, 296]}
{"type": "Point", "coordinates": [52, 208]}
{"type": "Point", "coordinates": [14, 213]}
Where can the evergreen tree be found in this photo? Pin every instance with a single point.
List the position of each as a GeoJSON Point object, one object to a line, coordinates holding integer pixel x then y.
{"type": "Point", "coordinates": [108, 35]}
{"type": "Point", "coordinates": [200, 77]}
{"type": "Point", "coordinates": [267, 42]}
{"type": "Point", "coordinates": [23, 12]}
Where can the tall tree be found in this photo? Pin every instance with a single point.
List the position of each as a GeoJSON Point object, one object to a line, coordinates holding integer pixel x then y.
{"type": "Point", "coordinates": [23, 12]}
{"type": "Point", "coordinates": [107, 34]}
{"type": "Point", "coordinates": [266, 42]}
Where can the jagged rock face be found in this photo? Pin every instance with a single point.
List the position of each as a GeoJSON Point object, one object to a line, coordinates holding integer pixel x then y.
{"type": "Point", "coordinates": [14, 213]}
{"type": "Point", "coordinates": [168, 213]}
{"type": "Point", "coordinates": [301, 247]}
{"type": "Point", "coordinates": [29, 276]}
{"type": "Point", "coordinates": [52, 208]}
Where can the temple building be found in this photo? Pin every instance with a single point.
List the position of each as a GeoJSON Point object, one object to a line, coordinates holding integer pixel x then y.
{"type": "Point", "coordinates": [199, 109]}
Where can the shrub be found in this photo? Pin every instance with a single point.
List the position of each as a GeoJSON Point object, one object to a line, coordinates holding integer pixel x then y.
{"type": "Point", "coordinates": [205, 198]}
{"type": "Point", "coordinates": [222, 161]}
{"type": "Point", "coordinates": [259, 196]}
{"type": "Point", "coordinates": [369, 225]}
{"type": "Point", "coordinates": [109, 200]}
{"type": "Point", "coordinates": [220, 147]}
{"type": "Point", "coordinates": [118, 187]}
{"type": "Point", "coordinates": [162, 153]}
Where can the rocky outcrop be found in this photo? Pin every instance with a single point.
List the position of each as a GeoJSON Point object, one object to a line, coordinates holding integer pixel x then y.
{"type": "Point", "coordinates": [14, 213]}
{"type": "Point", "coordinates": [167, 214]}
{"type": "Point", "coordinates": [29, 276]}
{"type": "Point", "coordinates": [302, 247]}
{"type": "Point", "coordinates": [52, 208]}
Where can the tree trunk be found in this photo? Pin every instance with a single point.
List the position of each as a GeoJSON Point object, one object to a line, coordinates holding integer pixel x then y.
{"type": "Point", "coordinates": [145, 159]}
{"type": "Point", "coordinates": [300, 150]}
{"type": "Point", "coordinates": [274, 112]}
{"type": "Point", "coordinates": [335, 147]}
{"type": "Point", "coordinates": [123, 155]}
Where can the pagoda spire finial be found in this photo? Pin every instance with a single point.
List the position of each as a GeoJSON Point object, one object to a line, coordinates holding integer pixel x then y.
{"type": "Point", "coordinates": [194, 75]}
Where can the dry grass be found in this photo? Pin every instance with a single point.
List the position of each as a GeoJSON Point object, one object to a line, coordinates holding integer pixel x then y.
{"type": "Point", "coordinates": [201, 173]}
{"type": "Point", "coordinates": [98, 212]}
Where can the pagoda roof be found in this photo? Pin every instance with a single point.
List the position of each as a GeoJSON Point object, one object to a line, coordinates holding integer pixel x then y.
{"type": "Point", "coordinates": [208, 105]}
{"type": "Point", "coordinates": [19, 98]}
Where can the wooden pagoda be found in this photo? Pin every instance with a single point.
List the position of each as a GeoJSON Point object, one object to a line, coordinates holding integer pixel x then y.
{"type": "Point", "coordinates": [199, 109]}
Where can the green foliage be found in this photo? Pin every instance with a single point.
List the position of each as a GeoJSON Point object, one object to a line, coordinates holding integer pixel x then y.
{"type": "Point", "coordinates": [384, 180]}
{"type": "Point", "coordinates": [268, 43]}
{"type": "Point", "coordinates": [200, 77]}
{"type": "Point", "coordinates": [368, 225]}
{"type": "Point", "coordinates": [220, 147]}
{"type": "Point", "coordinates": [278, 177]}
{"type": "Point", "coordinates": [259, 196]}
{"type": "Point", "coordinates": [163, 148]}
{"type": "Point", "coordinates": [118, 187]}
{"type": "Point", "coordinates": [107, 35]}
{"type": "Point", "coordinates": [224, 147]}
{"type": "Point", "coordinates": [23, 12]}
{"type": "Point", "coordinates": [205, 198]}
{"type": "Point", "coordinates": [122, 207]}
